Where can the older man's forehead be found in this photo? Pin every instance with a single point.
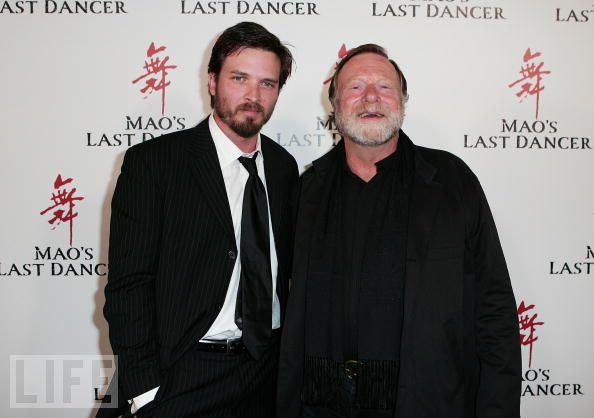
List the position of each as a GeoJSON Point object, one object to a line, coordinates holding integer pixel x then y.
{"type": "Point", "coordinates": [368, 64]}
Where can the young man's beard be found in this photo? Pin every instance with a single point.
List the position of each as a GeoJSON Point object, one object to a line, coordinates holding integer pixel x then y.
{"type": "Point", "coordinates": [245, 128]}
{"type": "Point", "coordinates": [367, 134]}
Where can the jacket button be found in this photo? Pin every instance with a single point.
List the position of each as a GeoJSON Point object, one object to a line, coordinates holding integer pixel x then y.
{"type": "Point", "coordinates": [232, 255]}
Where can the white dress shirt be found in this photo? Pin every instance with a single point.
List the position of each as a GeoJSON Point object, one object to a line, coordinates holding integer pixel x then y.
{"type": "Point", "coordinates": [235, 176]}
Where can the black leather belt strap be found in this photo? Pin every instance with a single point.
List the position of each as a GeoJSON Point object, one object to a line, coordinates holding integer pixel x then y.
{"type": "Point", "coordinates": [234, 346]}
{"type": "Point", "coordinates": [229, 346]}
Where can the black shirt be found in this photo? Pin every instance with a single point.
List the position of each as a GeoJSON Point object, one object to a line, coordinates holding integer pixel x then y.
{"type": "Point", "coordinates": [369, 211]}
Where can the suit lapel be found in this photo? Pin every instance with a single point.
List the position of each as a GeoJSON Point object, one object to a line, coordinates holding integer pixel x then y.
{"type": "Point", "coordinates": [206, 170]}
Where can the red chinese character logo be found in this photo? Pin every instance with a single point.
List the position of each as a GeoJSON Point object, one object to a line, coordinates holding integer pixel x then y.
{"type": "Point", "coordinates": [155, 76]}
{"type": "Point", "coordinates": [531, 80]}
{"type": "Point", "coordinates": [63, 204]}
{"type": "Point", "coordinates": [528, 325]}
{"type": "Point", "coordinates": [341, 54]}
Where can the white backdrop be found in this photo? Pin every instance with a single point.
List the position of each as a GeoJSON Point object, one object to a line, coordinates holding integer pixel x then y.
{"type": "Point", "coordinates": [69, 107]}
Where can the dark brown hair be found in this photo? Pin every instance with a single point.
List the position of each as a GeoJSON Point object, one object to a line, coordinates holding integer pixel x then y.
{"type": "Point", "coordinates": [249, 35]}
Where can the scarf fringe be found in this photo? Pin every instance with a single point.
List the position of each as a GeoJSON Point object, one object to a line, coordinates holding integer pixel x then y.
{"type": "Point", "coordinates": [324, 384]}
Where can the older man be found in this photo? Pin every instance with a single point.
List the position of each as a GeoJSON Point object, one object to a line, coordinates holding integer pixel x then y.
{"type": "Point", "coordinates": [401, 304]}
{"type": "Point", "coordinates": [200, 247]}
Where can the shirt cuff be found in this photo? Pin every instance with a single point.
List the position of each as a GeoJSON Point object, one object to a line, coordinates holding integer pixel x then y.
{"type": "Point", "coordinates": [143, 399]}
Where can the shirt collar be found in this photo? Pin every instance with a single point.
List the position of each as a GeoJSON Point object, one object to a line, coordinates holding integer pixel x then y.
{"type": "Point", "coordinates": [227, 151]}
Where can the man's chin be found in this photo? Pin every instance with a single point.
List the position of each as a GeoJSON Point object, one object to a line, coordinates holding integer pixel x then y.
{"type": "Point", "coordinates": [370, 141]}
{"type": "Point", "coordinates": [369, 137]}
{"type": "Point", "coordinates": [246, 129]}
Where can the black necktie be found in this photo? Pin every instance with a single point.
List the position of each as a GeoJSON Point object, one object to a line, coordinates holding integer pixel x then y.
{"type": "Point", "coordinates": [253, 310]}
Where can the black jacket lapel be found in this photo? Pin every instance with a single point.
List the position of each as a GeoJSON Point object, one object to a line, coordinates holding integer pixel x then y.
{"type": "Point", "coordinates": [207, 172]}
{"type": "Point", "coordinates": [423, 205]}
{"type": "Point", "coordinates": [424, 199]}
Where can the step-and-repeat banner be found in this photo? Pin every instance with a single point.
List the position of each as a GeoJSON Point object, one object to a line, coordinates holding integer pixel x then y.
{"type": "Point", "coordinates": [507, 85]}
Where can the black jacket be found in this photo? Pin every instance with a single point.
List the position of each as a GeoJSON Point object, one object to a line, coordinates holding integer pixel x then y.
{"type": "Point", "coordinates": [172, 248]}
{"type": "Point", "coordinates": [460, 351]}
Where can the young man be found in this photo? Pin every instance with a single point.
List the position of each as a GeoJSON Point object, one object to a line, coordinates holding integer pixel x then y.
{"type": "Point", "coordinates": [201, 244]}
{"type": "Point", "coordinates": [401, 304]}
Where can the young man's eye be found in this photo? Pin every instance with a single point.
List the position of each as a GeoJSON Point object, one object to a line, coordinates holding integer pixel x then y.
{"type": "Point", "coordinates": [268, 84]}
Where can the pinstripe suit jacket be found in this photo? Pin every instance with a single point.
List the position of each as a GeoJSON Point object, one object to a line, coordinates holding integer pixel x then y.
{"type": "Point", "coordinates": [172, 248]}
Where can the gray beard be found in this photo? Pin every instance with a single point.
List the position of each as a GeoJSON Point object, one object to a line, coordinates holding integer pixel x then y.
{"type": "Point", "coordinates": [369, 136]}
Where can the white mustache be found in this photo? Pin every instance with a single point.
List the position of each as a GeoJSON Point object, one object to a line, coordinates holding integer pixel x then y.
{"type": "Point", "coordinates": [371, 110]}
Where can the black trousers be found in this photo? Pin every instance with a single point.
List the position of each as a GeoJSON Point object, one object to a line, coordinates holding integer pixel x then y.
{"type": "Point", "coordinates": [321, 412]}
{"type": "Point", "coordinates": [217, 385]}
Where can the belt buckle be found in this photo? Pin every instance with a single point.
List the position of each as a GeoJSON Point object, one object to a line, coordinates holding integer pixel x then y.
{"type": "Point", "coordinates": [231, 344]}
{"type": "Point", "coordinates": [351, 369]}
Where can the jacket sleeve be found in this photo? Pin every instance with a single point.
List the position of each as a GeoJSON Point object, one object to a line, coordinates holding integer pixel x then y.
{"type": "Point", "coordinates": [290, 378]}
{"type": "Point", "coordinates": [292, 352]}
{"type": "Point", "coordinates": [496, 320]}
{"type": "Point", "coordinates": [130, 292]}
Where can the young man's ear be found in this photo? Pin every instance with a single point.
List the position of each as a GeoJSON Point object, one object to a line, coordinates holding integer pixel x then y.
{"type": "Point", "coordinates": [212, 83]}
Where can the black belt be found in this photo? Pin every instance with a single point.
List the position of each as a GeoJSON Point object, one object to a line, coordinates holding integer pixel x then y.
{"type": "Point", "coordinates": [229, 346]}
{"type": "Point", "coordinates": [235, 346]}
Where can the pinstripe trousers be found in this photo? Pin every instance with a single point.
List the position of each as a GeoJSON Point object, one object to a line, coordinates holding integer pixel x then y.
{"type": "Point", "coordinates": [217, 385]}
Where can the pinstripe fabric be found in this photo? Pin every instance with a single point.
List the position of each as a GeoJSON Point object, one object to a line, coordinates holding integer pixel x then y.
{"type": "Point", "coordinates": [217, 385]}
{"type": "Point", "coordinates": [172, 249]}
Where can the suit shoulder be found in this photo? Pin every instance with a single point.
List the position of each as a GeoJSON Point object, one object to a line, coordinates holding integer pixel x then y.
{"type": "Point", "coordinates": [279, 151]}
{"type": "Point", "coordinates": [165, 154]}
{"type": "Point", "coordinates": [166, 143]}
